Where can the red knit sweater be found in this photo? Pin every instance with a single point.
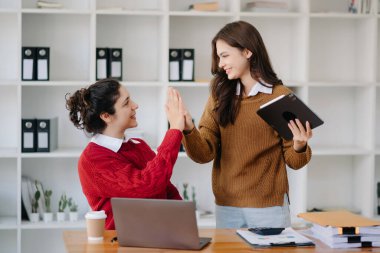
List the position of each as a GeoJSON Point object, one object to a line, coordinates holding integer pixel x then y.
{"type": "Point", "coordinates": [135, 171]}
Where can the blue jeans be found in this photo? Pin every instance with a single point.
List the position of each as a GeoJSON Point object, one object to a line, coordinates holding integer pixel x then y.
{"type": "Point", "coordinates": [242, 217]}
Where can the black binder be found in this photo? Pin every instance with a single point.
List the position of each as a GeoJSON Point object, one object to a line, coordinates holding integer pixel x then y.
{"type": "Point", "coordinates": [187, 65]}
{"type": "Point", "coordinates": [279, 111]}
{"type": "Point", "coordinates": [28, 135]}
{"type": "Point", "coordinates": [28, 63]}
{"type": "Point", "coordinates": [175, 60]}
{"type": "Point", "coordinates": [102, 56]}
{"type": "Point", "coordinates": [43, 61]}
{"type": "Point", "coordinates": [47, 134]}
{"type": "Point", "coordinates": [115, 64]}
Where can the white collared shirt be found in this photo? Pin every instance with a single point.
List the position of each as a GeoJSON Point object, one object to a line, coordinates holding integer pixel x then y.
{"type": "Point", "coordinates": [258, 87]}
{"type": "Point", "coordinates": [111, 143]}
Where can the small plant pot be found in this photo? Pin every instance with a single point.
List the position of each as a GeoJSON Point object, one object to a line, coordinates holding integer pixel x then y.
{"type": "Point", "coordinates": [34, 217]}
{"type": "Point", "coordinates": [73, 216]}
{"type": "Point", "coordinates": [61, 216]}
{"type": "Point", "coordinates": [48, 217]}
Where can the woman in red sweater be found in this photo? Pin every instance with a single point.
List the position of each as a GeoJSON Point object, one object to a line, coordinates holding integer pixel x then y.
{"type": "Point", "coordinates": [113, 165]}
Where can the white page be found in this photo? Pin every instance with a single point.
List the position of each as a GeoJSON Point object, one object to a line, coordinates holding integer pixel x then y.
{"type": "Point", "coordinates": [187, 71]}
{"type": "Point", "coordinates": [27, 72]}
{"type": "Point", "coordinates": [101, 69]}
{"type": "Point", "coordinates": [272, 101]}
{"type": "Point", "coordinates": [174, 70]}
{"type": "Point", "coordinates": [286, 236]}
{"type": "Point", "coordinates": [42, 69]}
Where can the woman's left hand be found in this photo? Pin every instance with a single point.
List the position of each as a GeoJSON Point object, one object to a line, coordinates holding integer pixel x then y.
{"type": "Point", "coordinates": [300, 134]}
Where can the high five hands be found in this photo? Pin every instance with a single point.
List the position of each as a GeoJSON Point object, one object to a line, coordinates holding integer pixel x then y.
{"type": "Point", "coordinates": [178, 115]}
{"type": "Point", "coordinates": [300, 134]}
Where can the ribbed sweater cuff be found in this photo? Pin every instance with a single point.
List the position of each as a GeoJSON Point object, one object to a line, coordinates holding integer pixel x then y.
{"type": "Point", "coordinates": [301, 157]}
{"type": "Point", "coordinates": [172, 139]}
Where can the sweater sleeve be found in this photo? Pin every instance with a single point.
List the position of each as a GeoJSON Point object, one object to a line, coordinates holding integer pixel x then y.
{"type": "Point", "coordinates": [115, 178]}
{"type": "Point", "coordinates": [172, 192]}
{"type": "Point", "coordinates": [295, 160]}
{"type": "Point", "coordinates": [202, 145]}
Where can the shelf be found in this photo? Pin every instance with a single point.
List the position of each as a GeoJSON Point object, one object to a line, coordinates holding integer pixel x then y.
{"type": "Point", "coordinates": [340, 84]}
{"type": "Point", "coordinates": [59, 153]}
{"type": "Point", "coordinates": [55, 11]}
{"type": "Point", "coordinates": [341, 15]}
{"type": "Point", "coordinates": [347, 176]}
{"type": "Point", "coordinates": [272, 14]}
{"type": "Point", "coordinates": [200, 14]}
{"type": "Point", "coordinates": [141, 84]}
{"type": "Point", "coordinates": [55, 83]}
{"type": "Point", "coordinates": [129, 12]}
{"type": "Point", "coordinates": [8, 222]}
{"type": "Point", "coordinates": [337, 37]}
{"type": "Point", "coordinates": [53, 225]}
{"type": "Point", "coordinates": [292, 48]}
{"type": "Point", "coordinates": [189, 84]}
{"type": "Point", "coordinates": [340, 151]}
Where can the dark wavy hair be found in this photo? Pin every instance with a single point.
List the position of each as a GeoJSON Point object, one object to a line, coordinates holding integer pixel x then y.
{"type": "Point", "coordinates": [86, 105]}
{"type": "Point", "coordinates": [241, 35]}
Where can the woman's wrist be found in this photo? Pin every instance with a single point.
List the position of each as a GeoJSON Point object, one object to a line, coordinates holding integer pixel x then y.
{"type": "Point", "coordinates": [188, 130]}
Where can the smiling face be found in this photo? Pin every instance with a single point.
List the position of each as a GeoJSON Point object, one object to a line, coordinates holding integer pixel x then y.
{"type": "Point", "coordinates": [233, 60]}
{"type": "Point", "coordinates": [125, 112]}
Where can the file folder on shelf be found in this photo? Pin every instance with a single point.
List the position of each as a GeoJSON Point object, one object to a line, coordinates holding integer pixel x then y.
{"type": "Point", "coordinates": [187, 65]}
{"type": "Point", "coordinates": [175, 59]}
{"type": "Point", "coordinates": [287, 238]}
{"type": "Point", "coordinates": [102, 56]}
{"type": "Point", "coordinates": [43, 61]}
{"type": "Point", "coordinates": [47, 134]}
{"type": "Point", "coordinates": [115, 67]}
{"type": "Point", "coordinates": [28, 65]}
{"type": "Point", "coordinates": [28, 135]}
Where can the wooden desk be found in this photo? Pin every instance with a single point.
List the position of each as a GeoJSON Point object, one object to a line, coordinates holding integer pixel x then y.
{"type": "Point", "coordinates": [223, 241]}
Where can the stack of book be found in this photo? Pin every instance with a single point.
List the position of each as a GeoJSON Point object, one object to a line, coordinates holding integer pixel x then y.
{"type": "Point", "coordinates": [267, 6]}
{"type": "Point", "coordinates": [343, 229]}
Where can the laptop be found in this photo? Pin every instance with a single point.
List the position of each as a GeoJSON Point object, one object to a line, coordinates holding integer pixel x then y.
{"type": "Point", "coordinates": [156, 223]}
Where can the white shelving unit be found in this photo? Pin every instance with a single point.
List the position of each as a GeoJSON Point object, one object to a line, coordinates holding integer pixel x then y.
{"type": "Point", "coordinates": [327, 56]}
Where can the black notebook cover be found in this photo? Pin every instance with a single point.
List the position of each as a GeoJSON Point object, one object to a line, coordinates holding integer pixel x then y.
{"type": "Point", "coordinates": [279, 111]}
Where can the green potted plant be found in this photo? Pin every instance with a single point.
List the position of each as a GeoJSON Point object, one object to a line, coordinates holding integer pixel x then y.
{"type": "Point", "coordinates": [34, 216]}
{"type": "Point", "coordinates": [61, 208]}
{"type": "Point", "coordinates": [73, 208]}
{"type": "Point", "coordinates": [48, 215]}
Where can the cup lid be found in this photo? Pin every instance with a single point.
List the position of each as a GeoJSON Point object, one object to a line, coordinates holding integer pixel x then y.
{"type": "Point", "coordinates": [96, 215]}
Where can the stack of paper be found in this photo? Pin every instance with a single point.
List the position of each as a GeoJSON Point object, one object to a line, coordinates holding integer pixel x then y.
{"type": "Point", "coordinates": [343, 229]}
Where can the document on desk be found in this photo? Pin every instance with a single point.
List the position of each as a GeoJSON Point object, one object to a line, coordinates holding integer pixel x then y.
{"type": "Point", "coordinates": [288, 237]}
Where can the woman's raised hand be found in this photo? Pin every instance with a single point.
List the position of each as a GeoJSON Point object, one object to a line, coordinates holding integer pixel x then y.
{"type": "Point", "coordinates": [300, 134]}
{"type": "Point", "coordinates": [175, 110]}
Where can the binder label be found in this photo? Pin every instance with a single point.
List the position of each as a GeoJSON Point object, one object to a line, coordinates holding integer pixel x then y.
{"type": "Point", "coordinates": [174, 70]}
{"type": "Point", "coordinates": [42, 67]}
{"type": "Point", "coordinates": [28, 69]}
{"type": "Point", "coordinates": [28, 140]}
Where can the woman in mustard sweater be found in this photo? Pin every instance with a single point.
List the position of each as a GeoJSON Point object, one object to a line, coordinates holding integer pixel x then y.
{"type": "Point", "coordinates": [249, 177]}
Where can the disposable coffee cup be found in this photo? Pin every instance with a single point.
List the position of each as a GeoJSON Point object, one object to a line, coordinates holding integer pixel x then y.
{"type": "Point", "coordinates": [95, 221]}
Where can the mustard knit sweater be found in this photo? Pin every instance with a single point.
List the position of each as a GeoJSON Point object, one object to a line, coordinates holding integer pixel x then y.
{"type": "Point", "coordinates": [249, 157]}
